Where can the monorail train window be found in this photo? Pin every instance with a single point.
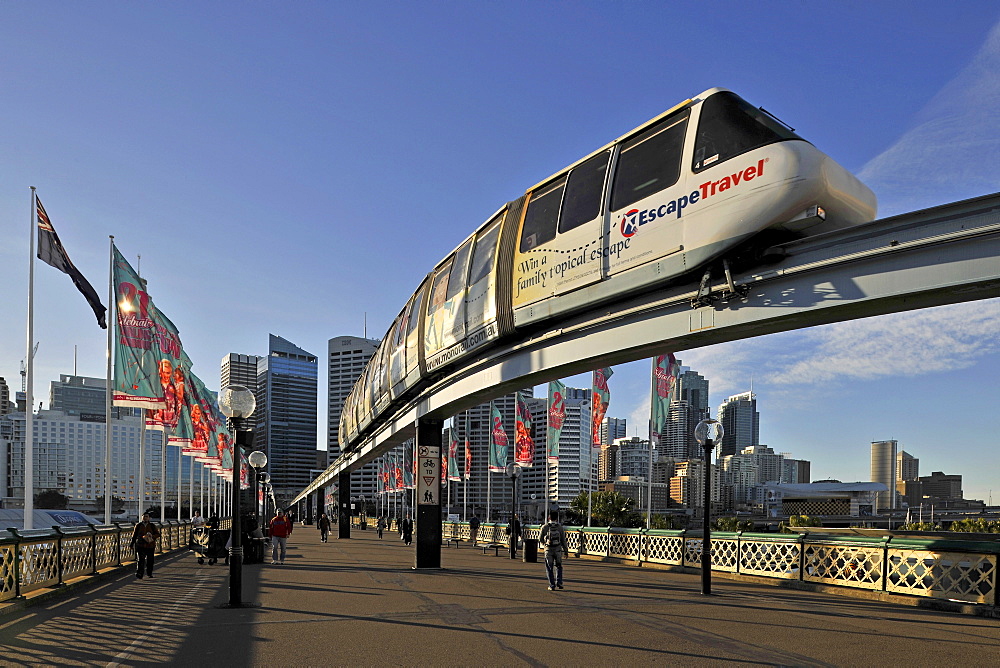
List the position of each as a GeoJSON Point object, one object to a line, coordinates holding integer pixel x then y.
{"type": "Point", "coordinates": [730, 126]}
{"type": "Point", "coordinates": [582, 202]}
{"type": "Point", "coordinates": [414, 314]}
{"type": "Point", "coordinates": [540, 218]}
{"type": "Point", "coordinates": [649, 162]}
{"type": "Point", "coordinates": [460, 270]}
{"type": "Point", "coordinates": [439, 288]}
{"type": "Point", "coordinates": [482, 258]}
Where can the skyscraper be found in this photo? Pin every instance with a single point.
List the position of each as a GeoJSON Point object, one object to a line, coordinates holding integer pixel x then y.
{"type": "Point", "coordinates": [907, 466]}
{"type": "Point", "coordinates": [884, 471]}
{"type": "Point", "coordinates": [286, 415]}
{"type": "Point", "coordinates": [347, 357]}
{"type": "Point", "coordinates": [692, 388]}
{"type": "Point", "coordinates": [239, 369]}
{"type": "Point", "coordinates": [740, 422]}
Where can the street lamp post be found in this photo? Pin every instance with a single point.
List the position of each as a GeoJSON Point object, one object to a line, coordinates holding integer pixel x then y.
{"type": "Point", "coordinates": [257, 460]}
{"type": "Point", "coordinates": [514, 471]}
{"type": "Point", "coordinates": [236, 403]}
{"type": "Point", "coordinates": [707, 433]}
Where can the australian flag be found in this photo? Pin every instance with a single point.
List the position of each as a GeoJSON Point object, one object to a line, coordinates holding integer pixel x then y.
{"type": "Point", "coordinates": [51, 251]}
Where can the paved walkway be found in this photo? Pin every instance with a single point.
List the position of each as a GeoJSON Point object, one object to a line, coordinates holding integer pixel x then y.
{"type": "Point", "coordinates": [359, 603]}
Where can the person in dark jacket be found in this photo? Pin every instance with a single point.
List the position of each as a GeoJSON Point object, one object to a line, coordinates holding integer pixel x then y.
{"type": "Point", "coordinates": [515, 535]}
{"type": "Point", "coordinates": [144, 538]}
{"type": "Point", "coordinates": [324, 527]}
{"type": "Point", "coordinates": [474, 529]}
{"type": "Point", "coordinates": [406, 527]}
{"type": "Point", "coordinates": [553, 539]}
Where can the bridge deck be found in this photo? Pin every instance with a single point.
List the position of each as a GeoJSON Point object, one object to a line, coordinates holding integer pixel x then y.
{"type": "Point", "coordinates": [358, 602]}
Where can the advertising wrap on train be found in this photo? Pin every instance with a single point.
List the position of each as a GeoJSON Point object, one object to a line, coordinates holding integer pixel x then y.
{"type": "Point", "coordinates": [552, 269]}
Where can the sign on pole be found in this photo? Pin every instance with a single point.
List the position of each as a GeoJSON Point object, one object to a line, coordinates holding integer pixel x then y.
{"type": "Point", "coordinates": [428, 475]}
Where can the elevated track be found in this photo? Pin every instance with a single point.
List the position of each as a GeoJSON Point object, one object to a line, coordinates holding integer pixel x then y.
{"type": "Point", "coordinates": [944, 255]}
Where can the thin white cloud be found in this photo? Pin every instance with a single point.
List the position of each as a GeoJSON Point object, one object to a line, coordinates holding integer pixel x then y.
{"type": "Point", "coordinates": [953, 151]}
{"type": "Point", "coordinates": [900, 345]}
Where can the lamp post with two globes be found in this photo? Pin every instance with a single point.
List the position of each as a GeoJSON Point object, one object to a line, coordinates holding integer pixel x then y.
{"type": "Point", "coordinates": [237, 403]}
{"type": "Point", "coordinates": [708, 432]}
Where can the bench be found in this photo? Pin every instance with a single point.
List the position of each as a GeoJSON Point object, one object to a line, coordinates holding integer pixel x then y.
{"type": "Point", "coordinates": [495, 547]}
{"type": "Point", "coordinates": [456, 541]}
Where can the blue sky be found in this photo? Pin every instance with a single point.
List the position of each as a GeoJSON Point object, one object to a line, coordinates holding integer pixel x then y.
{"type": "Point", "coordinates": [296, 168]}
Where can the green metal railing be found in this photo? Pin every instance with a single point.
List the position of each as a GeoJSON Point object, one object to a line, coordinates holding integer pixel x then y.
{"type": "Point", "coordinates": [41, 558]}
{"type": "Point", "coordinates": [957, 570]}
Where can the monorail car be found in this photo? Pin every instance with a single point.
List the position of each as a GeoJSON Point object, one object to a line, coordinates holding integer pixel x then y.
{"type": "Point", "coordinates": [708, 179]}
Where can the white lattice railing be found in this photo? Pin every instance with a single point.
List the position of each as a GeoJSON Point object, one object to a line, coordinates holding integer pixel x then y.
{"type": "Point", "coordinates": [951, 569]}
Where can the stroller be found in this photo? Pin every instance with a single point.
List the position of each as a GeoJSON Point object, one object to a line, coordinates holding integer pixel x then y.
{"type": "Point", "coordinates": [199, 542]}
{"type": "Point", "coordinates": [217, 546]}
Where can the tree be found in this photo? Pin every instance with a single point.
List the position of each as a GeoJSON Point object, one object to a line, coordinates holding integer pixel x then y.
{"type": "Point", "coordinates": [976, 525]}
{"type": "Point", "coordinates": [609, 509]}
{"type": "Point", "coordinates": [733, 524]}
{"type": "Point", "coordinates": [664, 522]}
{"type": "Point", "coordinates": [117, 504]}
{"type": "Point", "coordinates": [51, 499]}
{"type": "Point", "coordinates": [799, 521]}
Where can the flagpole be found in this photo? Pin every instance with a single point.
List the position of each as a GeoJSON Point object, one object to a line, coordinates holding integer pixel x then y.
{"type": "Point", "coordinates": [590, 452]}
{"type": "Point", "coordinates": [489, 472]}
{"type": "Point", "coordinates": [109, 385]}
{"type": "Point", "coordinates": [29, 399]}
{"type": "Point", "coordinates": [180, 477]}
{"type": "Point", "coordinates": [163, 477]}
{"type": "Point", "coordinates": [191, 488]}
{"type": "Point", "coordinates": [142, 461]}
{"type": "Point", "coordinates": [649, 483]}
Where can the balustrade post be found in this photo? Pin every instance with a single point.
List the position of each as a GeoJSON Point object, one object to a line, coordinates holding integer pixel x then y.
{"type": "Point", "coordinates": [93, 549]}
{"type": "Point", "coordinates": [607, 551]}
{"type": "Point", "coordinates": [118, 541]}
{"type": "Point", "coordinates": [59, 555]}
{"type": "Point", "coordinates": [739, 551]}
{"type": "Point", "coordinates": [684, 547]}
{"type": "Point", "coordinates": [17, 563]}
{"type": "Point", "coordinates": [802, 555]}
{"type": "Point", "coordinates": [885, 560]}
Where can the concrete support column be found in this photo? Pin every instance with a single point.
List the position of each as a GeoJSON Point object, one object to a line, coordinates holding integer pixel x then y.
{"type": "Point", "coordinates": [344, 506]}
{"type": "Point", "coordinates": [428, 497]}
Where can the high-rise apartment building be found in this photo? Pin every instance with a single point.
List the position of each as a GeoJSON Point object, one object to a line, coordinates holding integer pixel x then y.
{"type": "Point", "coordinates": [611, 430]}
{"type": "Point", "coordinates": [69, 456]}
{"type": "Point", "coordinates": [5, 404]}
{"type": "Point", "coordinates": [633, 458]}
{"type": "Point", "coordinates": [347, 357]}
{"type": "Point", "coordinates": [286, 415]}
{"type": "Point", "coordinates": [740, 422]}
{"type": "Point", "coordinates": [237, 369]}
{"type": "Point", "coordinates": [884, 471]}
{"type": "Point", "coordinates": [907, 466]}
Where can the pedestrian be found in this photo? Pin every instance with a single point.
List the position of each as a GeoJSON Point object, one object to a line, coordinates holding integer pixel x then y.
{"type": "Point", "coordinates": [515, 535]}
{"type": "Point", "coordinates": [144, 538]}
{"type": "Point", "coordinates": [407, 528]}
{"type": "Point", "coordinates": [399, 527]}
{"type": "Point", "coordinates": [281, 529]}
{"type": "Point", "coordinates": [380, 526]}
{"type": "Point", "coordinates": [197, 521]}
{"type": "Point", "coordinates": [474, 529]}
{"type": "Point", "coordinates": [198, 541]}
{"type": "Point", "coordinates": [324, 527]}
{"type": "Point", "coordinates": [553, 539]}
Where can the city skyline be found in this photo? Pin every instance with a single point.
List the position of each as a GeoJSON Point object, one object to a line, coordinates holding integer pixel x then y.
{"type": "Point", "coordinates": [234, 139]}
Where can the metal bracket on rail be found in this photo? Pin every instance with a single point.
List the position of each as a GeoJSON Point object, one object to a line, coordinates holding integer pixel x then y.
{"type": "Point", "coordinates": [705, 295]}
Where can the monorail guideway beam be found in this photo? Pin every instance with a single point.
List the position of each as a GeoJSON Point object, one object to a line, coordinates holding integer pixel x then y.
{"type": "Point", "coordinates": [949, 254]}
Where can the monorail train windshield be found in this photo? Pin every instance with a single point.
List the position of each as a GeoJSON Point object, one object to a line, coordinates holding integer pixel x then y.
{"type": "Point", "coordinates": [730, 126]}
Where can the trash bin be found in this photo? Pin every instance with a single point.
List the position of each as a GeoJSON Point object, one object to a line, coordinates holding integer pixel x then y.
{"type": "Point", "coordinates": [530, 550]}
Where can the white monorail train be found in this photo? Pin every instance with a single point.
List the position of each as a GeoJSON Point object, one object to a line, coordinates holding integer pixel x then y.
{"type": "Point", "coordinates": [712, 178]}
